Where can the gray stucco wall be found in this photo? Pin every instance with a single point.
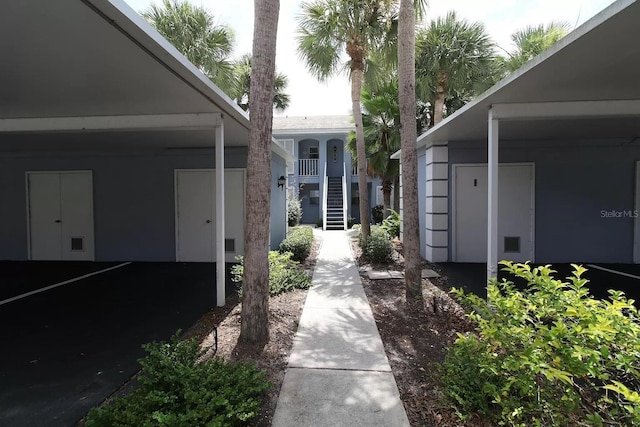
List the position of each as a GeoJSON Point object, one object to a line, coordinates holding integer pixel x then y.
{"type": "Point", "coordinates": [574, 182]}
{"type": "Point", "coordinates": [310, 213]}
{"type": "Point", "coordinates": [278, 202]}
{"type": "Point", "coordinates": [134, 215]}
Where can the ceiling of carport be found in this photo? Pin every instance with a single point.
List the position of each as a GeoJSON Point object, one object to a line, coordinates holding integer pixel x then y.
{"type": "Point", "coordinates": [67, 58]}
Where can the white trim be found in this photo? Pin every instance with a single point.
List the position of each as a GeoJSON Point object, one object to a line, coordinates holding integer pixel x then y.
{"type": "Point", "coordinates": [453, 230]}
{"type": "Point", "coordinates": [636, 220]}
{"type": "Point", "coordinates": [93, 123]}
{"type": "Point", "coordinates": [66, 282]}
{"type": "Point", "coordinates": [220, 212]}
{"type": "Point", "coordinates": [28, 211]}
{"type": "Point", "coordinates": [493, 167]}
{"type": "Point", "coordinates": [565, 109]}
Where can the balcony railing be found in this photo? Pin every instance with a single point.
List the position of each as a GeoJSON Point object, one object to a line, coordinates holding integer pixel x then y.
{"type": "Point", "coordinates": [354, 169]}
{"type": "Point", "coordinates": [307, 167]}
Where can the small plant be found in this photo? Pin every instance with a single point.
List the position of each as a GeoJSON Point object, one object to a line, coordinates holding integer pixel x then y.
{"type": "Point", "coordinates": [319, 222]}
{"type": "Point", "coordinates": [284, 273]}
{"type": "Point", "coordinates": [351, 221]}
{"type": "Point", "coordinates": [391, 224]}
{"type": "Point", "coordinates": [377, 248]}
{"type": "Point", "coordinates": [299, 242]}
{"type": "Point", "coordinates": [549, 355]}
{"type": "Point", "coordinates": [377, 214]}
{"type": "Point", "coordinates": [294, 208]}
{"type": "Point", "coordinates": [178, 388]}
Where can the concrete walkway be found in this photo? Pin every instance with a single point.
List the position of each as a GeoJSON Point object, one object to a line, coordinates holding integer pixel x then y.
{"type": "Point", "coordinates": [338, 373]}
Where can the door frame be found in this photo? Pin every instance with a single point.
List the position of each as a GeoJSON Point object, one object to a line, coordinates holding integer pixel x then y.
{"type": "Point", "coordinates": [175, 200]}
{"type": "Point", "coordinates": [454, 167]}
{"type": "Point", "coordinates": [91, 206]}
{"type": "Point", "coordinates": [636, 218]}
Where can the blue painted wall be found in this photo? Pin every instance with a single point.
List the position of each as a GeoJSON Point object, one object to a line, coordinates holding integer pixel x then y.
{"type": "Point", "coordinates": [278, 202]}
{"type": "Point", "coordinates": [133, 198]}
{"type": "Point", "coordinates": [574, 182]}
{"type": "Point", "coordinates": [310, 213]}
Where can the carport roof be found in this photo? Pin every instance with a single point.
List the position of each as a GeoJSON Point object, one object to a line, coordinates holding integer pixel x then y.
{"type": "Point", "coordinates": [599, 61]}
{"type": "Point", "coordinates": [79, 58]}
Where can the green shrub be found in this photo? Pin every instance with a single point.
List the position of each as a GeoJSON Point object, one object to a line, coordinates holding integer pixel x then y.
{"type": "Point", "coordinates": [294, 209]}
{"type": "Point", "coordinates": [177, 388]}
{"type": "Point", "coordinates": [377, 248]}
{"type": "Point", "coordinates": [550, 355]}
{"type": "Point", "coordinates": [284, 273]}
{"type": "Point", "coordinates": [298, 242]}
{"type": "Point", "coordinates": [351, 221]}
{"type": "Point", "coordinates": [319, 222]}
{"type": "Point", "coordinates": [391, 224]}
{"type": "Point", "coordinates": [377, 214]}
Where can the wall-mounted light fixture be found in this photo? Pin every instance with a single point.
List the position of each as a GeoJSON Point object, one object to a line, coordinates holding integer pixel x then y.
{"type": "Point", "coordinates": [281, 181]}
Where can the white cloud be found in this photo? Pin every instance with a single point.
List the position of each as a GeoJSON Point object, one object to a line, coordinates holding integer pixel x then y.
{"type": "Point", "coordinates": [310, 97]}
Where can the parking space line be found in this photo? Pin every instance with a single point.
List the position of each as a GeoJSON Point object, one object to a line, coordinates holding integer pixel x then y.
{"type": "Point", "coordinates": [608, 270]}
{"type": "Point", "coordinates": [66, 282]}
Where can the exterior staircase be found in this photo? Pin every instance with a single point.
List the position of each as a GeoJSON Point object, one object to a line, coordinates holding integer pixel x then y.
{"type": "Point", "coordinates": [335, 212]}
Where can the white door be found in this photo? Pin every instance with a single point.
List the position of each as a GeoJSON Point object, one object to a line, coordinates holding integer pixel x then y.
{"type": "Point", "coordinates": [515, 213]}
{"type": "Point", "coordinates": [195, 222]}
{"type": "Point", "coordinates": [195, 215]}
{"type": "Point", "coordinates": [61, 215]}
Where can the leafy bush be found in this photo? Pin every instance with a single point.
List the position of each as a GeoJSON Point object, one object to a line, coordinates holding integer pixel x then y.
{"type": "Point", "coordinates": [294, 209]}
{"type": "Point", "coordinates": [298, 242]}
{"type": "Point", "coordinates": [284, 273]}
{"type": "Point", "coordinates": [178, 388]}
{"type": "Point", "coordinates": [391, 224]}
{"type": "Point", "coordinates": [377, 214]}
{"type": "Point", "coordinates": [550, 355]}
{"type": "Point", "coordinates": [351, 221]}
{"type": "Point", "coordinates": [377, 248]}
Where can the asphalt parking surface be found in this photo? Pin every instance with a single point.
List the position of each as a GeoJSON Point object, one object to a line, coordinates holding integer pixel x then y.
{"type": "Point", "coordinates": [68, 348]}
{"type": "Point", "coordinates": [472, 277]}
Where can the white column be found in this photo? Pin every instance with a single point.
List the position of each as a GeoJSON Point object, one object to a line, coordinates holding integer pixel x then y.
{"type": "Point", "coordinates": [220, 230]}
{"type": "Point", "coordinates": [492, 198]}
{"type": "Point", "coordinates": [437, 203]}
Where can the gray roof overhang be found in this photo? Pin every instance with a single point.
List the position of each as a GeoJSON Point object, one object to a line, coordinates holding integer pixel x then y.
{"type": "Point", "coordinates": [599, 61]}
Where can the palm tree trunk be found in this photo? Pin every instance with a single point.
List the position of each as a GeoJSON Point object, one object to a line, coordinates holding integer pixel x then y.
{"type": "Point", "coordinates": [255, 303]}
{"type": "Point", "coordinates": [396, 194]}
{"type": "Point", "coordinates": [387, 186]}
{"type": "Point", "coordinates": [438, 107]}
{"type": "Point", "coordinates": [356, 89]}
{"type": "Point", "coordinates": [408, 136]}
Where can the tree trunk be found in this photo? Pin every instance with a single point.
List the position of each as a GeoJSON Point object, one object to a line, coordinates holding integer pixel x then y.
{"type": "Point", "coordinates": [396, 194]}
{"type": "Point", "coordinates": [356, 89]}
{"type": "Point", "coordinates": [408, 137]}
{"type": "Point", "coordinates": [255, 303]}
{"type": "Point", "coordinates": [438, 107]}
{"type": "Point", "coordinates": [387, 186]}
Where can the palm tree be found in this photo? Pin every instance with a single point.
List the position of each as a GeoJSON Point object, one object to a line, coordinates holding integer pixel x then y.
{"type": "Point", "coordinates": [243, 77]}
{"type": "Point", "coordinates": [381, 124]}
{"type": "Point", "coordinates": [408, 136]}
{"type": "Point", "coordinates": [452, 56]}
{"type": "Point", "coordinates": [329, 28]}
{"type": "Point", "coordinates": [532, 41]}
{"type": "Point", "coordinates": [254, 328]}
{"type": "Point", "coordinates": [193, 31]}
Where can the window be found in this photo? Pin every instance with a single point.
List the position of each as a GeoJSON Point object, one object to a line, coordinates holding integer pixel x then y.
{"type": "Point", "coordinates": [314, 197]}
{"type": "Point", "coordinates": [314, 153]}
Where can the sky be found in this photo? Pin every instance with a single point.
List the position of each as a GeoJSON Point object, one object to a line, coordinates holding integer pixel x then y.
{"type": "Point", "coordinates": [310, 97]}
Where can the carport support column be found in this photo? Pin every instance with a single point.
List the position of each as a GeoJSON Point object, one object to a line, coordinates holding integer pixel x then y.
{"type": "Point", "coordinates": [492, 198]}
{"type": "Point", "coordinates": [437, 203]}
{"type": "Point", "coordinates": [220, 230]}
